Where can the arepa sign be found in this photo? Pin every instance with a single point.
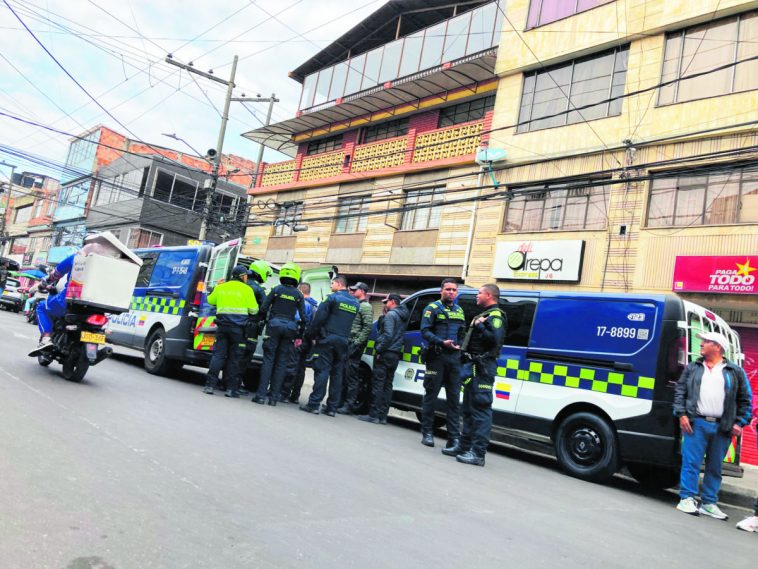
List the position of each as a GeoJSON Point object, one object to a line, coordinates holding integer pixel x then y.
{"type": "Point", "coordinates": [539, 261]}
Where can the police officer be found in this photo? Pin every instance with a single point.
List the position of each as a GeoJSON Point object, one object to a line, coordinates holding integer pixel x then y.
{"type": "Point", "coordinates": [235, 303]}
{"type": "Point", "coordinates": [257, 275]}
{"type": "Point", "coordinates": [443, 327]}
{"type": "Point", "coordinates": [295, 377]}
{"type": "Point", "coordinates": [330, 330]}
{"type": "Point", "coordinates": [481, 348]}
{"type": "Point", "coordinates": [359, 334]}
{"type": "Point", "coordinates": [278, 312]}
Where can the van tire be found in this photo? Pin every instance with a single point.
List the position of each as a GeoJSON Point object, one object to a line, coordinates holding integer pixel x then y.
{"type": "Point", "coordinates": [654, 477]}
{"type": "Point", "coordinates": [156, 362]}
{"type": "Point", "coordinates": [586, 447]}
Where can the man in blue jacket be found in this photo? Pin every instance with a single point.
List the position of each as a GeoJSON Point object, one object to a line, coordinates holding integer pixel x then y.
{"type": "Point", "coordinates": [712, 401]}
{"type": "Point", "coordinates": [293, 381]}
{"type": "Point", "coordinates": [330, 330]}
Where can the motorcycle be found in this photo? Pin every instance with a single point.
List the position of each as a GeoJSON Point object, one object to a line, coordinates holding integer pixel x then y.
{"type": "Point", "coordinates": [76, 341]}
{"type": "Point", "coordinates": [31, 316]}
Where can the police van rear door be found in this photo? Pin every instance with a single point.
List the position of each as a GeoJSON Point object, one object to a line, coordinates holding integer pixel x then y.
{"type": "Point", "coordinates": [220, 265]}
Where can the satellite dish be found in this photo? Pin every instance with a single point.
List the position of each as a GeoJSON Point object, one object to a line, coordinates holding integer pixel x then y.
{"type": "Point", "coordinates": [486, 155]}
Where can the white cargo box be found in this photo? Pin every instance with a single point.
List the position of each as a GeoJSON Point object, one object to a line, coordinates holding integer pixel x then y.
{"type": "Point", "coordinates": [102, 282]}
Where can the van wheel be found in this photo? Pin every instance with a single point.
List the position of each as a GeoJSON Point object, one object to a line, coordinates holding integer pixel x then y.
{"type": "Point", "coordinates": [156, 361]}
{"type": "Point", "coordinates": [586, 447]}
{"type": "Point", "coordinates": [653, 477]}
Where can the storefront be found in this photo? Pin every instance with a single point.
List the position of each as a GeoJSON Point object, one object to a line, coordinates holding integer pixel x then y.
{"type": "Point", "coordinates": [727, 286]}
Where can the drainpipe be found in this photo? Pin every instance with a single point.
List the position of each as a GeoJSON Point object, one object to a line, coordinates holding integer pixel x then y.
{"type": "Point", "coordinates": [470, 239]}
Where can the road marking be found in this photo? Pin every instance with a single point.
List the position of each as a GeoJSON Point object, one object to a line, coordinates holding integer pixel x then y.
{"type": "Point", "coordinates": [24, 336]}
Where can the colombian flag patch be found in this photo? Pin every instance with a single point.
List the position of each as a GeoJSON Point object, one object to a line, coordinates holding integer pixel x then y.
{"type": "Point", "coordinates": [502, 390]}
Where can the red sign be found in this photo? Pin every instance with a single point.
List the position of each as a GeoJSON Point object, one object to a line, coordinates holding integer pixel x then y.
{"type": "Point", "coordinates": [720, 275]}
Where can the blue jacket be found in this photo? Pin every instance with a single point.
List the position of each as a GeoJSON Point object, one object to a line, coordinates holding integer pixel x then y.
{"type": "Point", "coordinates": [441, 322]}
{"type": "Point", "coordinates": [334, 316]}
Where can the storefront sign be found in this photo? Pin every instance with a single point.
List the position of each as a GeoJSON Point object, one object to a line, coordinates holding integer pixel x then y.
{"type": "Point", "coordinates": [539, 261]}
{"type": "Point", "coordinates": [721, 275]}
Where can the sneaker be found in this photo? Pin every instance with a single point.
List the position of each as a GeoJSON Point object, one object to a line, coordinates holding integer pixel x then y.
{"type": "Point", "coordinates": [368, 419]}
{"type": "Point", "coordinates": [208, 390]}
{"type": "Point", "coordinates": [688, 506]}
{"type": "Point", "coordinates": [44, 343]}
{"type": "Point", "coordinates": [713, 511]}
{"type": "Point", "coordinates": [749, 524]}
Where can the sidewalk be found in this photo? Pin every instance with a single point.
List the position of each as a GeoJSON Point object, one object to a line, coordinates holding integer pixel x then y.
{"type": "Point", "coordinates": [740, 492]}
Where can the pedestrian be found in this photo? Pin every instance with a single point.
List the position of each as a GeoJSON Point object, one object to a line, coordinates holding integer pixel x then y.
{"type": "Point", "coordinates": [443, 326]}
{"type": "Point", "coordinates": [235, 303]}
{"type": "Point", "coordinates": [278, 313]}
{"type": "Point", "coordinates": [389, 344]}
{"type": "Point", "coordinates": [295, 375]}
{"type": "Point", "coordinates": [712, 401]}
{"type": "Point", "coordinates": [359, 334]}
{"type": "Point", "coordinates": [258, 273]}
{"type": "Point", "coordinates": [481, 348]}
{"type": "Point", "coordinates": [751, 523]}
{"type": "Point", "coordinates": [329, 332]}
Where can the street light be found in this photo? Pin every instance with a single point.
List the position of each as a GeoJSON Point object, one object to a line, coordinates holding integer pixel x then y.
{"type": "Point", "coordinates": [180, 139]}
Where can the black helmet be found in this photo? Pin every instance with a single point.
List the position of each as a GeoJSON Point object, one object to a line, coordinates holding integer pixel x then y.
{"type": "Point", "coordinates": [238, 271]}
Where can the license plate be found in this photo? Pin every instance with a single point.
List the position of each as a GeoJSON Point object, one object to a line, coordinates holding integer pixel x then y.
{"type": "Point", "coordinates": [206, 341]}
{"type": "Point", "coordinates": [92, 338]}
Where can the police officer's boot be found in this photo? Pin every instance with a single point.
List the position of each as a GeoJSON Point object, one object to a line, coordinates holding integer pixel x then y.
{"type": "Point", "coordinates": [452, 448]}
{"type": "Point", "coordinates": [427, 439]}
{"type": "Point", "coordinates": [258, 400]}
{"type": "Point", "coordinates": [208, 389]}
{"type": "Point", "coordinates": [470, 457]}
{"type": "Point", "coordinates": [233, 393]}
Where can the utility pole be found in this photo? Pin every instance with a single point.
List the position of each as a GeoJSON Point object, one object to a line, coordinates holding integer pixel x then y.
{"type": "Point", "coordinates": [270, 100]}
{"type": "Point", "coordinates": [215, 155]}
{"type": "Point", "coordinates": [7, 203]}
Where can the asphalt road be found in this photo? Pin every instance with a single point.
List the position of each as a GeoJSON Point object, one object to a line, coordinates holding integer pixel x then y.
{"type": "Point", "coordinates": [127, 471]}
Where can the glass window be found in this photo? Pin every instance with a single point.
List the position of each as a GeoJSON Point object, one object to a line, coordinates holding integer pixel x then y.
{"type": "Point", "coordinates": [411, 54]}
{"type": "Point", "coordinates": [419, 215]}
{"type": "Point", "coordinates": [465, 112]}
{"type": "Point", "coordinates": [519, 313]}
{"type": "Point", "coordinates": [390, 61]}
{"type": "Point", "coordinates": [338, 81]}
{"type": "Point", "coordinates": [543, 12]}
{"type": "Point", "coordinates": [177, 190]}
{"type": "Point", "coordinates": [707, 47]}
{"type": "Point", "coordinates": [421, 302]}
{"type": "Point", "coordinates": [141, 238]}
{"type": "Point", "coordinates": [23, 214]}
{"type": "Point", "coordinates": [146, 270]}
{"type": "Point", "coordinates": [385, 130]}
{"type": "Point", "coordinates": [286, 218]}
{"type": "Point", "coordinates": [323, 85]}
{"type": "Point", "coordinates": [566, 93]}
{"type": "Point", "coordinates": [324, 145]}
{"type": "Point", "coordinates": [480, 34]}
{"type": "Point", "coordinates": [352, 206]}
{"type": "Point", "coordinates": [371, 71]}
{"type": "Point", "coordinates": [434, 40]}
{"type": "Point", "coordinates": [309, 90]}
{"type": "Point", "coordinates": [174, 268]}
{"type": "Point", "coordinates": [456, 37]}
{"type": "Point", "coordinates": [558, 207]}
{"type": "Point", "coordinates": [355, 74]}
{"type": "Point", "coordinates": [704, 198]}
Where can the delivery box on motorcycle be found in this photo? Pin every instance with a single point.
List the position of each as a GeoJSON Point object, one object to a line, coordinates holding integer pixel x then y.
{"type": "Point", "coordinates": [104, 274]}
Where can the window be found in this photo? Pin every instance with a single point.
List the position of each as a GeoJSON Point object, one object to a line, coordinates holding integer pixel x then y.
{"type": "Point", "coordinates": [389, 129]}
{"type": "Point", "coordinates": [177, 190]}
{"type": "Point", "coordinates": [703, 198]}
{"type": "Point", "coordinates": [543, 12]}
{"type": "Point", "coordinates": [125, 186]}
{"type": "Point", "coordinates": [351, 206]}
{"type": "Point", "coordinates": [146, 270]}
{"type": "Point", "coordinates": [23, 214]}
{"type": "Point", "coordinates": [703, 48]}
{"type": "Point", "coordinates": [174, 270]}
{"type": "Point", "coordinates": [465, 112]}
{"type": "Point", "coordinates": [550, 97]}
{"type": "Point", "coordinates": [286, 218]}
{"type": "Point", "coordinates": [324, 145]}
{"type": "Point", "coordinates": [425, 216]}
{"type": "Point", "coordinates": [141, 238]}
{"type": "Point", "coordinates": [414, 320]}
{"type": "Point", "coordinates": [558, 207]}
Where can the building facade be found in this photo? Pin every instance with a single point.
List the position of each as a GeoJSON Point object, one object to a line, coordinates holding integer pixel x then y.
{"type": "Point", "coordinates": [383, 147]}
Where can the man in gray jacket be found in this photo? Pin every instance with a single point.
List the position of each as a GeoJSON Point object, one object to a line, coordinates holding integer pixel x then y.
{"type": "Point", "coordinates": [359, 333]}
{"type": "Point", "coordinates": [712, 401]}
{"type": "Point", "coordinates": [389, 343]}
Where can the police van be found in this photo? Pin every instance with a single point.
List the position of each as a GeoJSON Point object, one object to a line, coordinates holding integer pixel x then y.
{"type": "Point", "coordinates": [591, 373]}
{"type": "Point", "coordinates": [170, 319]}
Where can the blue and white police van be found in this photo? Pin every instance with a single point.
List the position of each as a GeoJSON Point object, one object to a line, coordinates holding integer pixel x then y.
{"type": "Point", "coordinates": [591, 373]}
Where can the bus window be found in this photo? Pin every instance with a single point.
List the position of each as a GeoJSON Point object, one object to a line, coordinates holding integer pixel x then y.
{"type": "Point", "coordinates": [146, 270]}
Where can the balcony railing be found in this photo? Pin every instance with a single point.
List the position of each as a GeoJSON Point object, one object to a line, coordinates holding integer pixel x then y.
{"type": "Point", "coordinates": [412, 150]}
{"type": "Point", "coordinates": [470, 33]}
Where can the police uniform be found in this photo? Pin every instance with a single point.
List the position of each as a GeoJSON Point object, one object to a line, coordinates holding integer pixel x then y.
{"type": "Point", "coordinates": [278, 311]}
{"type": "Point", "coordinates": [442, 322]}
{"type": "Point", "coordinates": [295, 375]}
{"type": "Point", "coordinates": [235, 303]}
{"type": "Point", "coordinates": [331, 328]}
{"type": "Point", "coordinates": [481, 348]}
{"type": "Point", "coordinates": [252, 330]}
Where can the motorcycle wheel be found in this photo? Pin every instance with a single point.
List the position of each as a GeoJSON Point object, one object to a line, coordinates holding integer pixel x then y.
{"type": "Point", "coordinates": [44, 359]}
{"type": "Point", "coordinates": [75, 366]}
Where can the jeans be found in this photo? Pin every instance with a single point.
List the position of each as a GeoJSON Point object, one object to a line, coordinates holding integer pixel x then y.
{"type": "Point", "coordinates": [477, 404]}
{"type": "Point", "coordinates": [329, 357]}
{"type": "Point", "coordinates": [443, 369]}
{"type": "Point", "coordinates": [227, 353]}
{"type": "Point", "coordinates": [705, 442]}
{"type": "Point", "coordinates": [385, 365]}
{"type": "Point", "coordinates": [53, 307]}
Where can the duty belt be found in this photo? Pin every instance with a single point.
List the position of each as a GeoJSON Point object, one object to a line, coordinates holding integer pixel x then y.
{"type": "Point", "coordinates": [709, 419]}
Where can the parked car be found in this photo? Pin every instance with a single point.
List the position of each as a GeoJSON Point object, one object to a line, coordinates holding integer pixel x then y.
{"type": "Point", "coordinates": [12, 298]}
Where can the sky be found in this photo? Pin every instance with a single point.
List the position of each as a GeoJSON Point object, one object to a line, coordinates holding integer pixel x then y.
{"type": "Point", "coordinates": [115, 51]}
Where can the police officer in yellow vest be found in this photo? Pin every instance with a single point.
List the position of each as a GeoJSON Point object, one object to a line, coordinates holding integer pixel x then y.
{"type": "Point", "coordinates": [235, 303]}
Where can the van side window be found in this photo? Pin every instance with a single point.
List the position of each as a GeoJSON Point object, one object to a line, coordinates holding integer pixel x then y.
{"type": "Point", "coordinates": [520, 315]}
{"type": "Point", "coordinates": [146, 270]}
{"type": "Point", "coordinates": [173, 269]}
{"type": "Point", "coordinates": [414, 321]}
